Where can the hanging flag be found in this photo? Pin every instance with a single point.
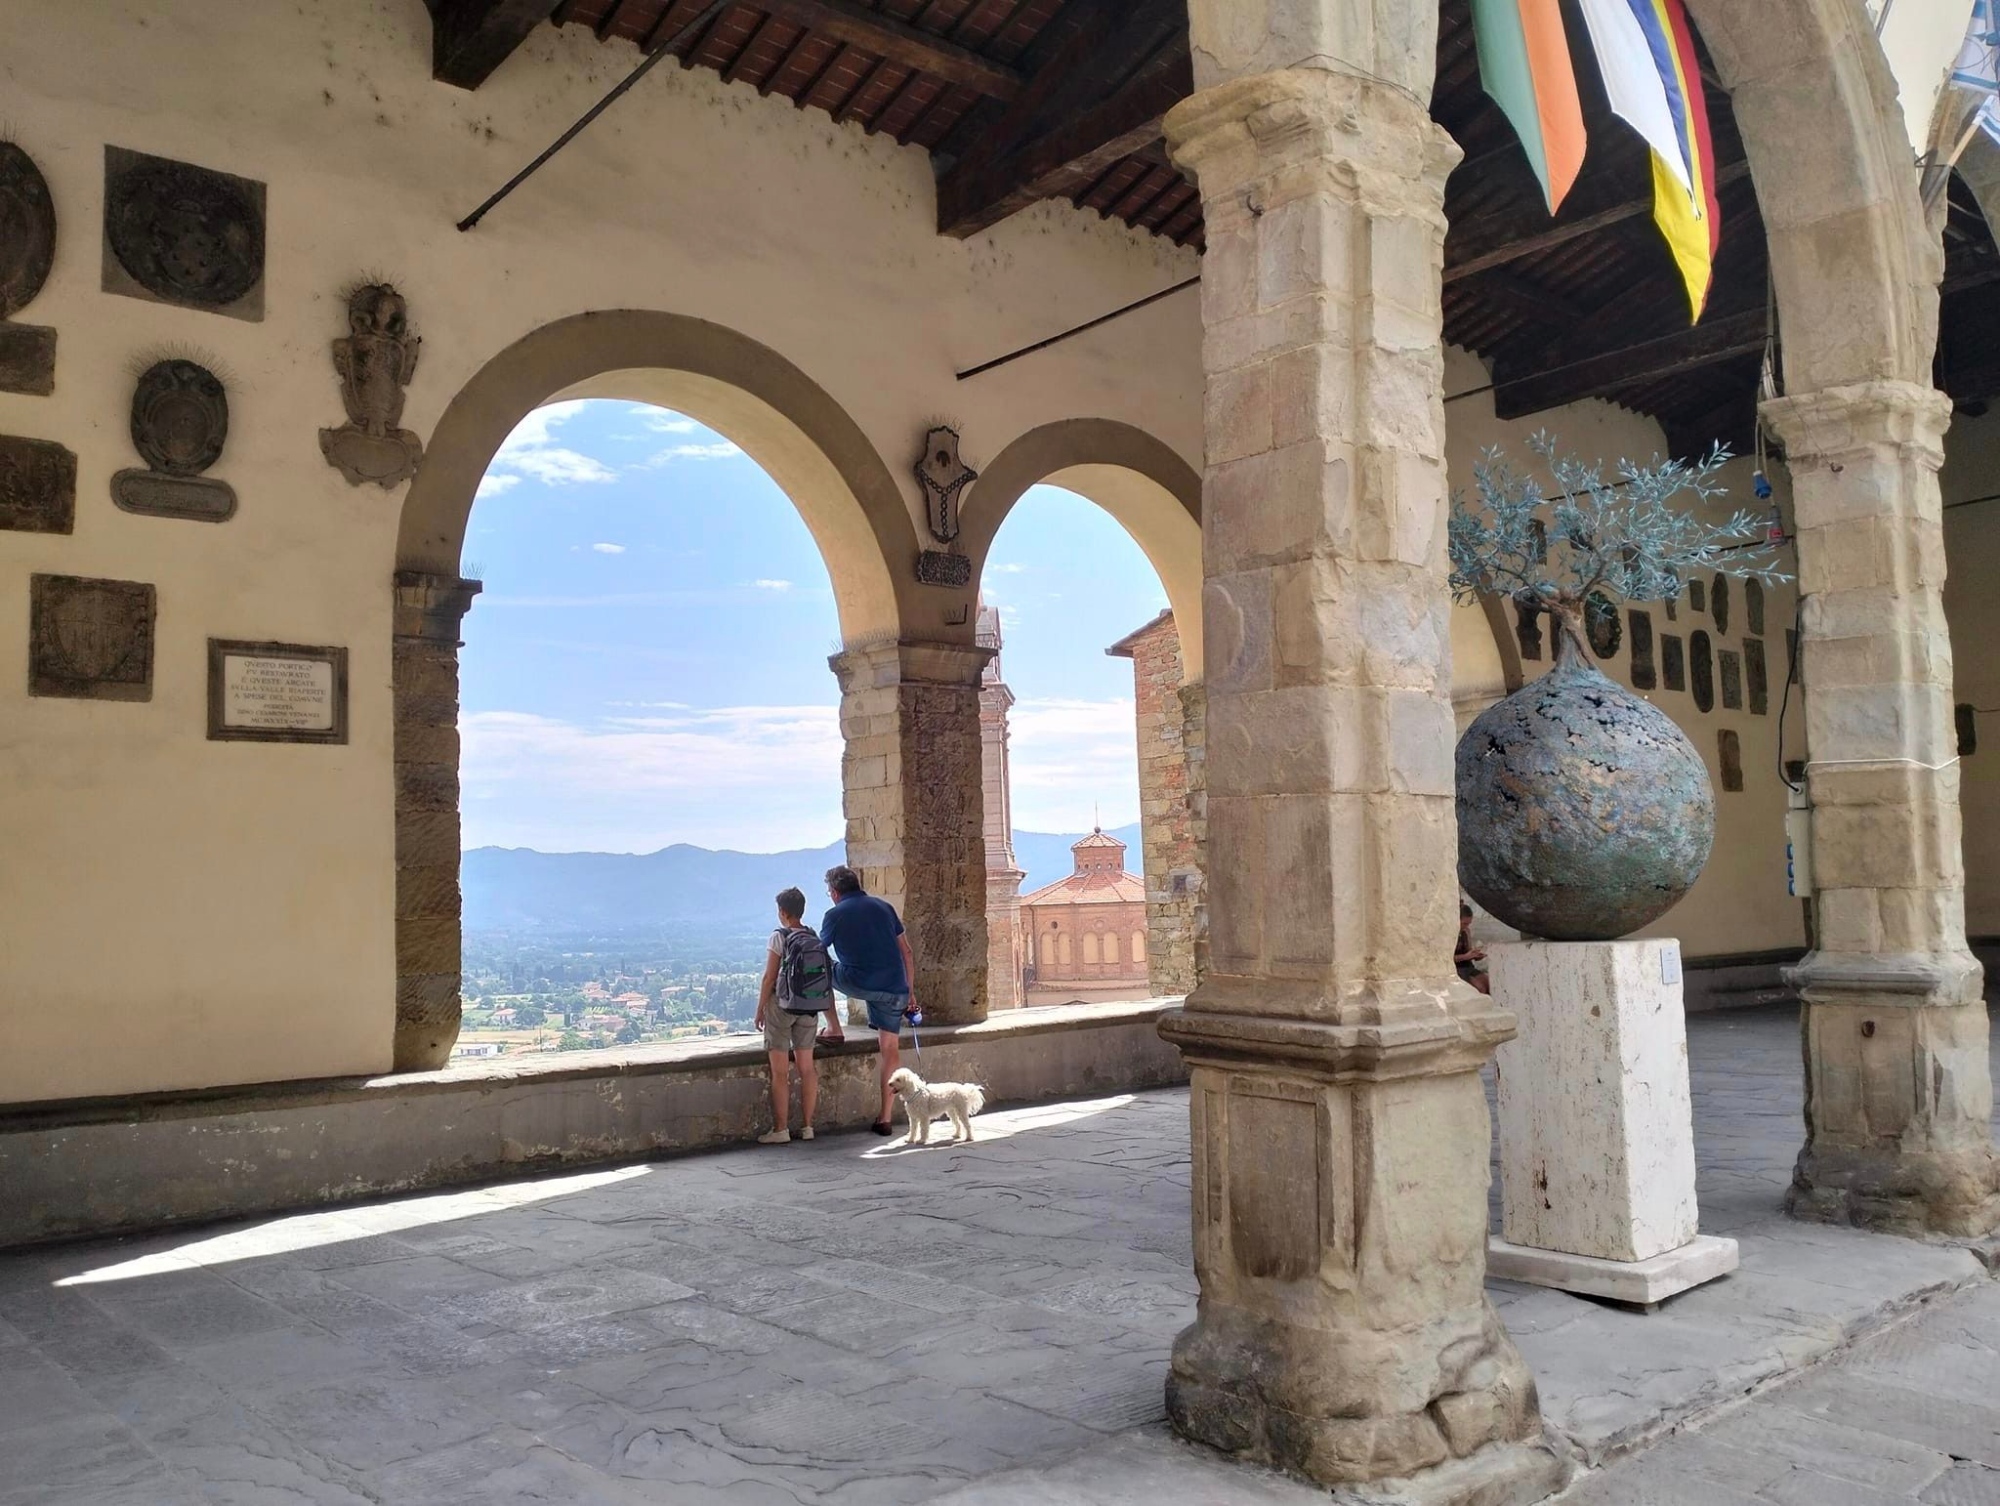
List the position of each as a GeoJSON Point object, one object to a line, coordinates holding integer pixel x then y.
{"type": "Point", "coordinates": [1525, 66]}
{"type": "Point", "coordinates": [1645, 53]}
{"type": "Point", "coordinates": [1978, 66]}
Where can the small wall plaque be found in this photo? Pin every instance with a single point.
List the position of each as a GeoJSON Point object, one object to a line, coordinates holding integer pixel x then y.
{"type": "Point", "coordinates": [937, 568]}
{"type": "Point", "coordinates": [276, 692]}
{"type": "Point", "coordinates": [180, 420]}
{"type": "Point", "coordinates": [27, 252]}
{"type": "Point", "coordinates": [37, 486]}
{"type": "Point", "coordinates": [90, 639]}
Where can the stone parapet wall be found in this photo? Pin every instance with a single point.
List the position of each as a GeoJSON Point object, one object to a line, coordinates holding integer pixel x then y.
{"type": "Point", "coordinates": [113, 1165]}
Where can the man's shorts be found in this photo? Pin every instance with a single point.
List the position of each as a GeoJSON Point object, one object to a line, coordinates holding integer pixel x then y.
{"type": "Point", "coordinates": [885, 1010]}
{"type": "Point", "coordinates": [784, 1030]}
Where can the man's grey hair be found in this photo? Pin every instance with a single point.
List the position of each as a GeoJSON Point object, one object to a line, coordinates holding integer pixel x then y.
{"type": "Point", "coordinates": [843, 880]}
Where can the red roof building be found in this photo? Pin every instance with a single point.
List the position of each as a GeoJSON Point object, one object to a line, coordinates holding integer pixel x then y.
{"type": "Point", "coordinates": [1087, 933]}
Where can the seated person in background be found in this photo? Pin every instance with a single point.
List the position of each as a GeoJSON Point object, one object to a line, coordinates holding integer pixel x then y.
{"type": "Point", "coordinates": [1469, 954]}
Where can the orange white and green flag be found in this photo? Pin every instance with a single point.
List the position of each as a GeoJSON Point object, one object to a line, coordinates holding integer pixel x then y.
{"type": "Point", "coordinates": [1524, 65]}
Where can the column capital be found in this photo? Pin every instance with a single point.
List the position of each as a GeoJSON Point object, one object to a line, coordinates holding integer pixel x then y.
{"type": "Point", "coordinates": [1303, 130]}
{"type": "Point", "coordinates": [1821, 429]}
{"type": "Point", "coordinates": [431, 607]}
{"type": "Point", "coordinates": [875, 665]}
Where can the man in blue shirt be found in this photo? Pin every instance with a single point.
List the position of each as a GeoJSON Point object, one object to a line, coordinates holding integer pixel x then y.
{"type": "Point", "coordinates": [872, 963]}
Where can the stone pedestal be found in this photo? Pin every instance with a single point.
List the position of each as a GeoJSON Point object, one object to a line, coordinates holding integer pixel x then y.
{"type": "Point", "coordinates": [1596, 1126]}
{"type": "Point", "coordinates": [911, 777]}
{"type": "Point", "coordinates": [424, 670]}
{"type": "Point", "coordinates": [1339, 1130]}
{"type": "Point", "coordinates": [1899, 1095]}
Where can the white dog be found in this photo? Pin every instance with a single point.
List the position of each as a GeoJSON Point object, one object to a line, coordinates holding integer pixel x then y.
{"type": "Point", "coordinates": [924, 1101]}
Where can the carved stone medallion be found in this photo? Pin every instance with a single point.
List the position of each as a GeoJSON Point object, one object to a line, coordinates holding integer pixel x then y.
{"type": "Point", "coordinates": [180, 420]}
{"type": "Point", "coordinates": [375, 359]}
{"type": "Point", "coordinates": [37, 486]}
{"type": "Point", "coordinates": [27, 252]}
{"type": "Point", "coordinates": [91, 639]}
{"type": "Point", "coordinates": [183, 234]}
{"type": "Point", "coordinates": [943, 476]}
{"type": "Point", "coordinates": [27, 230]}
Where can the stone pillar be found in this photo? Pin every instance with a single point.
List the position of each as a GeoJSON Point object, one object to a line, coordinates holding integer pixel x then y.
{"type": "Point", "coordinates": [911, 780]}
{"type": "Point", "coordinates": [428, 611]}
{"type": "Point", "coordinates": [1171, 862]}
{"type": "Point", "coordinates": [1005, 952]}
{"type": "Point", "coordinates": [1898, 1091]}
{"type": "Point", "coordinates": [1340, 1133]}
{"type": "Point", "coordinates": [1194, 752]}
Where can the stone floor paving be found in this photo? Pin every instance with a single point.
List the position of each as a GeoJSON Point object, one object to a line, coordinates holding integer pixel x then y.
{"type": "Point", "coordinates": [853, 1321]}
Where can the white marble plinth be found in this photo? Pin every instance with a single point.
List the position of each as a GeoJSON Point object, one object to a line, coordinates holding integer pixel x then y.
{"type": "Point", "coordinates": [1641, 1282]}
{"type": "Point", "coordinates": [1596, 1130]}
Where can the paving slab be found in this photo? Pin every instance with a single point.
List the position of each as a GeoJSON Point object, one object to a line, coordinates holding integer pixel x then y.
{"type": "Point", "coordinates": [851, 1321]}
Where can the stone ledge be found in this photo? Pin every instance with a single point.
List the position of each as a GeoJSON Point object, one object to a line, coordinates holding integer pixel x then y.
{"type": "Point", "coordinates": [112, 1165]}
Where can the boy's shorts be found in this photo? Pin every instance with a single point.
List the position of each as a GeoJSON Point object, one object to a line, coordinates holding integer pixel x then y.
{"type": "Point", "coordinates": [785, 1031]}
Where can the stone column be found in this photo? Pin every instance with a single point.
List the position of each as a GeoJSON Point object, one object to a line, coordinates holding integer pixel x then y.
{"type": "Point", "coordinates": [1340, 1134]}
{"type": "Point", "coordinates": [1898, 1092]}
{"type": "Point", "coordinates": [911, 781]}
{"type": "Point", "coordinates": [428, 611]}
{"type": "Point", "coordinates": [1194, 752]}
{"type": "Point", "coordinates": [1172, 863]}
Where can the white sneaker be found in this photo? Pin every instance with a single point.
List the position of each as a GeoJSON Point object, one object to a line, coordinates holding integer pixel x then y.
{"type": "Point", "coordinates": [775, 1137]}
{"type": "Point", "coordinates": [806, 1133]}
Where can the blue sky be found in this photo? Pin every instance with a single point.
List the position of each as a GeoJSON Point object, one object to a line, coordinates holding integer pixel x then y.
{"type": "Point", "coordinates": [647, 664]}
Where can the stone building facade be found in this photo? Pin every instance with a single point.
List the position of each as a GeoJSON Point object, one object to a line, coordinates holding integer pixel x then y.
{"type": "Point", "coordinates": [1087, 932]}
{"type": "Point", "coordinates": [1006, 954]}
{"type": "Point", "coordinates": [1169, 731]}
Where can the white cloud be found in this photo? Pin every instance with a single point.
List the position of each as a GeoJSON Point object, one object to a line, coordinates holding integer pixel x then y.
{"type": "Point", "coordinates": [609, 548]}
{"type": "Point", "coordinates": [532, 452]}
{"type": "Point", "coordinates": [721, 450]}
{"type": "Point", "coordinates": [1007, 569]}
{"type": "Point", "coordinates": [1072, 759]}
{"type": "Point", "coordinates": [755, 778]}
{"type": "Point", "coordinates": [772, 585]}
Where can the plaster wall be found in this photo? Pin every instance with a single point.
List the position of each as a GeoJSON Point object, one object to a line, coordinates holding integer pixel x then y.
{"type": "Point", "coordinates": [179, 913]}
{"type": "Point", "coordinates": [1740, 903]}
{"type": "Point", "coordinates": [1971, 486]}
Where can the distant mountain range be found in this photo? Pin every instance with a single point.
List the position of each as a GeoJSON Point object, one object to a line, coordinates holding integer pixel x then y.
{"type": "Point", "coordinates": [683, 887]}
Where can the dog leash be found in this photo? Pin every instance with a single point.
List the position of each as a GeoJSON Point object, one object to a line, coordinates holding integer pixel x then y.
{"type": "Point", "coordinates": [916, 1018]}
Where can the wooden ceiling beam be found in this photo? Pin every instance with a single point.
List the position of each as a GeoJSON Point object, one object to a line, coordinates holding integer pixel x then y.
{"type": "Point", "coordinates": [1519, 392]}
{"type": "Point", "coordinates": [1527, 245]}
{"type": "Point", "coordinates": [471, 38]}
{"type": "Point", "coordinates": [978, 193]}
{"type": "Point", "coordinates": [1080, 30]}
{"type": "Point", "coordinates": [882, 36]}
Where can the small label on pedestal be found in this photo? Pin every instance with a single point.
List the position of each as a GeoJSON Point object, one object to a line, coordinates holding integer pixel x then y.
{"type": "Point", "coordinates": [1670, 962]}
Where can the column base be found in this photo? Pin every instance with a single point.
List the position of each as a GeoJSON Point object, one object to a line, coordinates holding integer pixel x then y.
{"type": "Point", "coordinates": [1891, 1191]}
{"type": "Point", "coordinates": [1323, 1404]}
{"type": "Point", "coordinates": [1640, 1283]}
{"type": "Point", "coordinates": [1504, 1474]}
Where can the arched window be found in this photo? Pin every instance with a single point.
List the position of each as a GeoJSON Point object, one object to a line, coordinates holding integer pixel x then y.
{"type": "Point", "coordinates": [1062, 946]}
{"type": "Point", "coordinates": [1048, 949]}
{"type": "Point", "coordinates": [1090, 946]}
{"type": "Point", "coordinates": [1138, 946]}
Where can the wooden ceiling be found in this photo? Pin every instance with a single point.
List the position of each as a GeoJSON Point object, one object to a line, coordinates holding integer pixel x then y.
{"type": "Point", "coordinates": [1019, 101]}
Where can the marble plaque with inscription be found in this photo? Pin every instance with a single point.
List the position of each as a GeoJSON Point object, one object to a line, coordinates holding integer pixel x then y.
{"type": "Point", "coordinates": [276, 692]}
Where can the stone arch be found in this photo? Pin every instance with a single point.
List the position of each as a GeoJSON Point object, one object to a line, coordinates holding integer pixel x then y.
{"type": "Point", "coordinates": [1146, 485]}
{"type": "Point", "coordinates": [784, 420]}
{"type": "Point", "coordinates": [1855, 268]}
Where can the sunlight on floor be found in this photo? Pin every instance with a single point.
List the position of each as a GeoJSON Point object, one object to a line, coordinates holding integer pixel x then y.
{"type": "Point", "coordinates": [1005, 1124]}
{"type": "Point", "coordinates": [306, 1231]}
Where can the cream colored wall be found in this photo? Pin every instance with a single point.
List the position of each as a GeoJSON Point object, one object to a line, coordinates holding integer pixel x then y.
{"type": "Point", "coordinates": [180, 913]}
{"type": "Point", "coordinates": [1740, 903]}
{"type": "Point", "coordinates": [1972, 609]}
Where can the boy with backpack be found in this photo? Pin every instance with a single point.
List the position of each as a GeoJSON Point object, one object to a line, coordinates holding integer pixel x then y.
{"type": "Point", "coordinates": [797, 986]}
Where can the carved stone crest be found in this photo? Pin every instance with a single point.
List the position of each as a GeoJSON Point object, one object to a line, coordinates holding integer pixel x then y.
{"type": "Point", "coordinates": [180, 420]}
{"type": "Point", "coordinates": [937, 567]}
{"type": "Point", "coordinates": [943, 476]}
{"type": "Point", "coordinates": [37, 486]}
{"type": "Point", "coordinates": [376, 360]}
{"type": "Point", "coordinates": [183, 234]}
{"type": "Point", "coordinates": [91, 639]}
{"type": "Point", "coordinates": [27, 252]}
